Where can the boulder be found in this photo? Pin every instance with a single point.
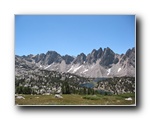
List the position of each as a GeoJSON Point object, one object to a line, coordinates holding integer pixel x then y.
{"type": "Point", "coordinates": [58, 96]}
{"type": "Point", "coordinates": [128, 98]}
{"type": "Point", "coordinates": [20, 97]}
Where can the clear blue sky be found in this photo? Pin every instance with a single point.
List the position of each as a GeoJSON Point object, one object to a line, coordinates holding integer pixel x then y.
{"type": "Point", "coordinates": [73, 34]}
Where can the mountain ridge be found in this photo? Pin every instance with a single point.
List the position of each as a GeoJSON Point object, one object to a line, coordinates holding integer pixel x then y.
{"type": "Point", "coordinates": [98, 63]}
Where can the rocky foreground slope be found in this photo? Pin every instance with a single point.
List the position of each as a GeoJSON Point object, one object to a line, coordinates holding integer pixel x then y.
{"type": "Point", "coordinates": [52, 82]}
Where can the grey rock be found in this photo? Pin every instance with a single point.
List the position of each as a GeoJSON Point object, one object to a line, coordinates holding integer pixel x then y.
{"type": "Point", "coordinates": [80, 59]}
{"type": "Point", "coordinates": [98, 63]}
{"type": "Point", "coordinates": [107, 58]}
{"type": "Point", "coordinates": [68, 59]}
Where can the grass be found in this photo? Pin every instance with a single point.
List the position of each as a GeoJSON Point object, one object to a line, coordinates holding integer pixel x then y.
{"type": "Point", "coordinates": [74, 99]}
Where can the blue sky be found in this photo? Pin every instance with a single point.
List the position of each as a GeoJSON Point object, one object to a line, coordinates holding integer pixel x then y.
{"type": "Point", "coordinates": [73, 34]}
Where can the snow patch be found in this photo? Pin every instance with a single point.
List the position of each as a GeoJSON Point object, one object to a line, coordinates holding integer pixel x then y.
{"type": "Point", "coordinates": [71, 76]}
{"type": "Point", "coordinates": [85, 70]}
{"type": "Point", "coordinates": [77, 69]}
{"type": "Point", "coordinates": [70, 69]}
{"type": "Point", "coordinates": [119, 69]}
{"type": "Point", "coordinates": [40, 66]}
{"type": "Point", "coordinates": [108, 71]}
{"type": "Point", "coordinates": [47, 67]}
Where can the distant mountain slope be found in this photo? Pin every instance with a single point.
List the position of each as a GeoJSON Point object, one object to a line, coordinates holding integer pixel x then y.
{"type": "Point", "coordinates": [98, 63]}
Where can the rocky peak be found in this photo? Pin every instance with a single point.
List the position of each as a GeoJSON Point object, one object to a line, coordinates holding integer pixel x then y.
{"type": "Point", "coordinates": [128, 53]}
{"type": "Point", "coordinates": [52, 56]}
{"type": "Point", "coordinates": [92, 57]}
{"type": "Point", "coordinates": [39, 57]}
{"type": "Point", "coordinates": [82, 64]}
{"type": "Point", "coordinates": [129, 56]}
{"type": "Point", "coordinates": [107, 58]}
{"type": "Point", "coordinates": [52, 53]}
{"type": "Point", "coordinates": [80, 59]}
{"type": "Point", "coordinates": [94, 53]}
{"type": "Point", "coordinates": [68, 59]}
{"type": "Point", "coordinates": [100, 52]}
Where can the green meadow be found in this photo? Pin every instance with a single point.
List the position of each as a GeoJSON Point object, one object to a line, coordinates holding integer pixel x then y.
{"type": "Point", "coordinates": [75, 99]}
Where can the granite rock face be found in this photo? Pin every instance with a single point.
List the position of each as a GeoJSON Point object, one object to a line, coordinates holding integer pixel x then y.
{"type": "Point", "coordinates": [98, 63]}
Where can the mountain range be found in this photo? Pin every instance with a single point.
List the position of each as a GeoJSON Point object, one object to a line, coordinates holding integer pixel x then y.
{"type": "Point", "coordinates": [98, 63]}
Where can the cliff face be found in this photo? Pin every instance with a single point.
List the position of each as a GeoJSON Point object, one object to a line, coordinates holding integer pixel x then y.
{"type": "Point", "coordinates": [98, 63]}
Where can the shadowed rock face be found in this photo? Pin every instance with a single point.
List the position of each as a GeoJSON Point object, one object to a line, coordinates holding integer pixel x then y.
{"type": "Point", "coordinates": [80, 59]}
{"type": "Point", "coordinates": [98, 63]}
{"type": "Point", "coordinates": [116, 60]}
{"type": "Point", "coordinates": [68, 59]}
{"type": "Point", "coordinates": [48, 58]}
{"type": "Point", "coordinates": [52, 56]}
{"type": "Point", "coordinates": [129, 56]}
{"type": "Point", "coordinates": [94, 56]}
{"type": "Point", "coordinates": [40, 57]}
{"type": "Point", "coordinates": [107, 58]}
